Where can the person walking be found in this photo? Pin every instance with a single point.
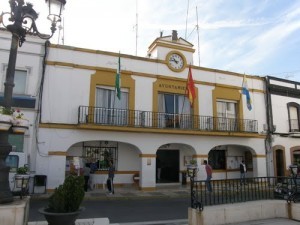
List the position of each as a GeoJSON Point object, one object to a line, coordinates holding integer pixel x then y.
{"type": "Point", "coordinates": [111, 175]}
{"type": "Point", "coordinates": [208, 170]}
{"type": "Point", "coordinates": [243, 171]}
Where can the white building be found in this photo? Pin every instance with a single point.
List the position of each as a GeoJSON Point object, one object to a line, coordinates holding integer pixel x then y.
{"type": "Point", "coordinates": [283, 106]}
{"type": "Point", "coordinates": [153, 123]}
{"type": "Point", "coordinates": [29, 69]}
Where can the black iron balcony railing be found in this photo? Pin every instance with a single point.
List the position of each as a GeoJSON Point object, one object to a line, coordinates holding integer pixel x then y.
{"type": "Point", "coordinates": [256, 188]}
{"type": "Point", "coordinates": [147, 119]}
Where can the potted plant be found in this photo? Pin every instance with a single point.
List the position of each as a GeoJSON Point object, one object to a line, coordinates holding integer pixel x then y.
{"type": "Point", "coordinates": [64, 203]}
{"type": "Point", "coordinates": [22, 180]}
{"type": "Point", "coordinates": [20, 123]}
{"type": "Point", "coordinates": [6, 117]}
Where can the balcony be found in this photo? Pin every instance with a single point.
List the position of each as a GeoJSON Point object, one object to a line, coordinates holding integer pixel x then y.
{"type": "Point", "coordinates": [160, 120]}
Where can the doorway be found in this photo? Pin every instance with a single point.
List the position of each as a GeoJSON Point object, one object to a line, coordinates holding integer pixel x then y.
{"type": "Point", "coordinates": [167, 166]}
{"type": "Point", "coordinates": [279, 156]}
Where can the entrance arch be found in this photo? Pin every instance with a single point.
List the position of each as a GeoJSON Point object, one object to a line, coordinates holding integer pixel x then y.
{"type": "Point", "coordinates": [279, 160]}
{"type": "Point", "coordinates": [225, 160]}
{"type": "Point", "coordinates": [125, 156]}
{"type": "Point", "coordinates": [171, 161]}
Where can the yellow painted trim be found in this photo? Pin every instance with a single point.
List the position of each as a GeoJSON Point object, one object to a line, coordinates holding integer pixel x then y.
{"type": "Point", "coordinates": [116, 172]}
{"type": "Point", "coordinates": [259, 156]}
{"type": "Point", "coordinates": [57, 153]}
{"type": "Point", "coordinates": [226, 93]}
{"type": "Point", "coordinates": [77, 66]}
{"type": "Point", "coordinates": [147, 155]}
{"type": "Point", "coordinates": [106, 78]}
{"type": "Point", "coordinates": [167, 61]}
{"type": "Point", "coordinates": [174, 87]}
{"type": "Point", "coordinates": [71, 48]}
{"type": "Point", "coordinates": [147, 188]}
{"type": "Point", "coordinates": [177, 46]}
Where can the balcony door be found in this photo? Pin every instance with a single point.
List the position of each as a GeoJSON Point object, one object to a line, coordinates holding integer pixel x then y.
{"type": "Point", "coordinates": [109, 109]}
{"type": "Point", "coordinates": [174, 111]}
{"type": "Point", "coordinates": [227, 115]}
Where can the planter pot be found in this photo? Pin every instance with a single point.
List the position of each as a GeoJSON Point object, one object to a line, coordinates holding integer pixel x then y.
{"type": "Point", "coordinates": [60, 218]}
{"type": "Point", "coordinates": [5, 125]}
{"type": "Point", "coordinates": [19, 129]}
{"type": "Point", "coordinates": [20, 122]}
{"type": "Point", "coordinates": [21, 180]}
{"type": "Point", "coordinates": [5, 122]}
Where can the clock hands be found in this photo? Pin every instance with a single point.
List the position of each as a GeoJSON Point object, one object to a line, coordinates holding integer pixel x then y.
{"type": "Point", "coordinates": [174, 60]}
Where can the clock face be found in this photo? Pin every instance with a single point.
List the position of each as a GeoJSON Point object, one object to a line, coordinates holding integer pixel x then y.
{"type": "Point", "coordinates": [175, 61]}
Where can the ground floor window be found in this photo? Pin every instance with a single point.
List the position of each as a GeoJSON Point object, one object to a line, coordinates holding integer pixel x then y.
{"type": "Point", "coordinates": [17, 142]}
{"type": "Point", "coordinates": [296, 157]}
{"type": "Point", "coordinates": [100, 156]}
{"type": "Point", "coordinates": [217, 159]}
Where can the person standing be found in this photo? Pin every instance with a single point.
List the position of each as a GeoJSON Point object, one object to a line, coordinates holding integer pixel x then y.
{"type": "Point", "coordinates": [86, 174]}
{"type": "Point", "coordinates": [158, 165]}
{"type": "Point", "coordinates": [243, 171]}
{"type": "Point", "coordinates": [111, 175]}
{"type": "Point", "coordinates": [208, 170]}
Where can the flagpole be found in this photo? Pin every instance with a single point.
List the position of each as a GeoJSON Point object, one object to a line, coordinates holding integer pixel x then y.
{"type": "Point", "coordinates": [242, 87]}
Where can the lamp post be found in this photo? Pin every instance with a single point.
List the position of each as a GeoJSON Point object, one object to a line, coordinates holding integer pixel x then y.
{"type": "Point", "coordinates": [19, 21]}
{"type": "Point", "coordinates": [192, 173]}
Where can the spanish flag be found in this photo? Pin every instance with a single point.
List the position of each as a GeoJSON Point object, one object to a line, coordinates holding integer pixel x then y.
{"type": "Point", "coordinates": [190, 87]}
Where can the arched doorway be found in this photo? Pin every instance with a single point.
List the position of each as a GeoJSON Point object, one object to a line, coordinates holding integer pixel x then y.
{"type": "Point", "coordinates": [167, 166]}
{"type": "Point", "coordinates": [171, 161]}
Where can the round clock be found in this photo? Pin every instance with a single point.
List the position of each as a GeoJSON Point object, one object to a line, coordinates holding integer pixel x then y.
{"type": "Point", "coordinates": [175, 61]}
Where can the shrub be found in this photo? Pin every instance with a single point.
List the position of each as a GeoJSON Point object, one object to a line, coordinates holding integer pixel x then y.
{"type": "Point", "coordinates": [68, 196]}
{"type": "Point", "coordinates": [22, 170]}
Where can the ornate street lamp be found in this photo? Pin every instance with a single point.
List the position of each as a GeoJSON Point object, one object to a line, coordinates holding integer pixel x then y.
{"type": "Point", "coordinates": [20, 21]}
{"type": "Point", "coordinates": [192, 173]}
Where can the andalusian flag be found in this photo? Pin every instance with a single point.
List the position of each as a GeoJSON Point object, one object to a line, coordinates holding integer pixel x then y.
{"type": "Point", "coordinates": [245, 91]}
{"type": "Point", "coordinates": [190, 87]}
{"type": "Point", "coordinates": [118, 80]}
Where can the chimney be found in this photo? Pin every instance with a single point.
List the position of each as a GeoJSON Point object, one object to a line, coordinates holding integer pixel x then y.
{"type": "Point", "coordinates": [174, 35]}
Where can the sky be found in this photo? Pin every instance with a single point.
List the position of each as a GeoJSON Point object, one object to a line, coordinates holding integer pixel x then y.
{"type": "Point", "coordinates": [256, 37]}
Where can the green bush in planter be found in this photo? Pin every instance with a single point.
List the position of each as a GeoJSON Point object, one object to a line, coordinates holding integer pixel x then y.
{"type": "Point", "coordinates": [68, 196]}
{"type": "Point", "coordinates": [22, 170]}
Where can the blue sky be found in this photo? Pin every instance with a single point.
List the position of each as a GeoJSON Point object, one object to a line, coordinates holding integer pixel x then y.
{"type": "Point", "coordinates": [256, 37]}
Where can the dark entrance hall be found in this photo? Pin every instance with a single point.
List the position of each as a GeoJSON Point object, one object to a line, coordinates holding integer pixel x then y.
{"type": "Point", "coordinates": [168, 161]}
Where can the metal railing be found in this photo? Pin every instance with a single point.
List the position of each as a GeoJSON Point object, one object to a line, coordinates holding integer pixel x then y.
{"type": "Point", "coordinates": [233, 191]}
{"type": "Point", "coordinates": [148, 119]}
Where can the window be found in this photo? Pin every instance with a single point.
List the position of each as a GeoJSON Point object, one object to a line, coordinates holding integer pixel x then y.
{"type": "Point", "coordinates": [101, 156]}
{"type": "Point", "coordinates": [296, 157]}
{"type": "Point", "coordinates": [17, 142]}
{"type": "Point", "coordinates": [13, 162]}
{"type": "Point", "coordinates": [217, 159]}
{"type": "Point", "coordinates": [109, 109]}
{"type": "Point", "coordinates": [174, 111]}
{"type": "Point", "coordinates": [227, 114]}
{"type": "Point", "coordinates": [19, 81]}
{"type": "Point", "coordinates": [293, 112]}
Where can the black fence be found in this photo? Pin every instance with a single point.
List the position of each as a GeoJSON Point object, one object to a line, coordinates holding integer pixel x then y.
{"type": "Point", "coordinates": [148, 119]}
{"type": "Point", "coordinates": [233, 191]}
